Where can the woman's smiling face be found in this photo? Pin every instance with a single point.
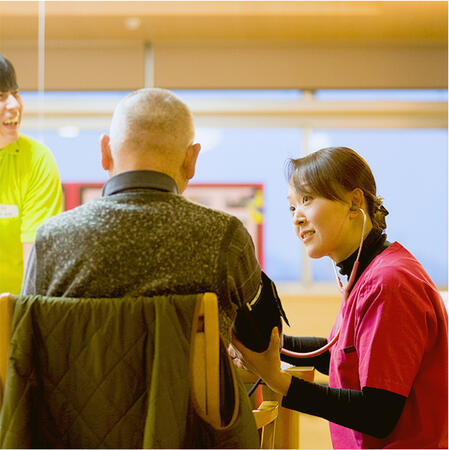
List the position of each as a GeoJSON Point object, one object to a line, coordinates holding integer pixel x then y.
{"type": "Point", "coordinates": [321, 224]}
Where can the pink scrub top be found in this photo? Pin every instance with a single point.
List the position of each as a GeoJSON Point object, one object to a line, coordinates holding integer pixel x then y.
{"type": "Point", "coordinates": [394, 337]}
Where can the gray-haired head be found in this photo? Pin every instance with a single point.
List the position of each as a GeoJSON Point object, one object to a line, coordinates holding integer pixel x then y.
{"type": "Point", "coordinates": [152, 120]}
{"type": "Point", "coordinates": [152, 129]}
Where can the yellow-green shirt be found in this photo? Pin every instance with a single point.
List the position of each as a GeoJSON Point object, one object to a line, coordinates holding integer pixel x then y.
{"type": "Point", "coordinates": [30, 193]}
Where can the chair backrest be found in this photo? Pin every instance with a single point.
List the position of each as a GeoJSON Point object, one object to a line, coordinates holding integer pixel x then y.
{"type": "Point", "coordinates": [205, 360]}
{"type": "Point", "coordinates": [208, 387]}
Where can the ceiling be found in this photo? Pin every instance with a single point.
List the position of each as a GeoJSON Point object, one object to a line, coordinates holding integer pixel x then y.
{"type": "Point", "coordinates": [403, 23]}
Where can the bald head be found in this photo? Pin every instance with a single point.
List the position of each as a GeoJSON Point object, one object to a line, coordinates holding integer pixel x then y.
{"type": "Point", "coordinates": [151, 129]}
{"type": "Point", "coordinates": [152, 121]}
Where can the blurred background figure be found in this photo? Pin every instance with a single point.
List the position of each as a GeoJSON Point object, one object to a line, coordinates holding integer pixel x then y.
{"type": "Point", "coordinates": [30, 190]}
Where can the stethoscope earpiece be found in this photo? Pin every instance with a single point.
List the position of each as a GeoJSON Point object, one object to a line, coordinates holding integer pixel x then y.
{"type": "Point", "coordinates": [355, 208]}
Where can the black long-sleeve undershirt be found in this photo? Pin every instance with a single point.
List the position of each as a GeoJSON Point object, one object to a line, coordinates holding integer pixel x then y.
{"type": "Point", "coordinates": [370, 410]}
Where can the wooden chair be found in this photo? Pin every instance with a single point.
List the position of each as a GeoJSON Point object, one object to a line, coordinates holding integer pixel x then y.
{"type": "Point", "coordinates": [204, 367]}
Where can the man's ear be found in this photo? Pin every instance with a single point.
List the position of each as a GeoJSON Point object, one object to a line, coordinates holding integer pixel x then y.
{"type": "Point", "coordinates": [106, 154]}
{"type": "Point", "coordinates": [190, 160]}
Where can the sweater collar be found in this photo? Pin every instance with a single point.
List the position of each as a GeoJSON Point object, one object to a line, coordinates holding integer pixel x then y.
{"type": "Point", "coordinates": [139, 179]}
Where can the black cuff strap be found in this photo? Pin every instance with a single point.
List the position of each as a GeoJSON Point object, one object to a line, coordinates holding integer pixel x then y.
{"type": "Point", "coordinates": [255, 320]}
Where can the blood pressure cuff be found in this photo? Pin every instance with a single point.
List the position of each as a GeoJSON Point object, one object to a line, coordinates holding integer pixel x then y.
{"type": "Point", "coordinates": [256, 319]}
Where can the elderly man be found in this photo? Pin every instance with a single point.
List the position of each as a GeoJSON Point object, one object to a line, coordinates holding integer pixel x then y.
{"type": "Point", "coordinates": [142, 237]}
{"type": "Point", "coordinates": [30, 190]}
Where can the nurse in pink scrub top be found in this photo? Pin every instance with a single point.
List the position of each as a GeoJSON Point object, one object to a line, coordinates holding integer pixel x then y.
{"type": "Point", "coordinates": [387, 354]}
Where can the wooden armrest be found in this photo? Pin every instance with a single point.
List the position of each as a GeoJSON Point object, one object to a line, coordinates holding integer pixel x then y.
{"type": "Point", "coordinates": [265, 413]}
{"type": "Point", "coordinates": [306, 373]}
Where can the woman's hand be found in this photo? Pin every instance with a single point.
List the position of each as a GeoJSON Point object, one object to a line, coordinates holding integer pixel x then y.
{"type": "Point", "coordinates": [266, 365]}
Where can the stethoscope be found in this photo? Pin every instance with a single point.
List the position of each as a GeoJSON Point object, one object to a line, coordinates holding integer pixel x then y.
{"type": "Point", "coordinates": [345, 291]}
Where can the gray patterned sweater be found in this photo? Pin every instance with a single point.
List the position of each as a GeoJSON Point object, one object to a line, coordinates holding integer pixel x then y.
{"type": "Point", "coordinates": [145, 240]}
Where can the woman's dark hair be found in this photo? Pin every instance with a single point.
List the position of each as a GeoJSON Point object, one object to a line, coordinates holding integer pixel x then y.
{"type": "Point", "coordinates": [332, 171]}
{"type": "Point", "coordinates": [8, 80]}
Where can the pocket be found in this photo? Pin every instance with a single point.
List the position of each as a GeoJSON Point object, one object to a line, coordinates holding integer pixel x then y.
{"type": "Point", "coordinates": [346, 367]}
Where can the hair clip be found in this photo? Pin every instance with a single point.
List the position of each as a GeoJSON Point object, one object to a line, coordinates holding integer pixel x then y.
{"type": "Point", "coordinates": [383, 210]}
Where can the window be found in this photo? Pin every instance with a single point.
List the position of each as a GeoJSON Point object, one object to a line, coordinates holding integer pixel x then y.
{"type": "Point", "coordinates": [247, 137]}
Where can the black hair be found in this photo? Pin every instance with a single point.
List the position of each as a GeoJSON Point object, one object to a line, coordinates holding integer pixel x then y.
{"type": "Point", "coordinates": [330, 172]}
{"type": "Point", "coordinates": [8, 81]}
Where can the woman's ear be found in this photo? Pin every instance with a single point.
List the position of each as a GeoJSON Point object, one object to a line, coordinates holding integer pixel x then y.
{"type": "Point", "coordinates": [357, 200]}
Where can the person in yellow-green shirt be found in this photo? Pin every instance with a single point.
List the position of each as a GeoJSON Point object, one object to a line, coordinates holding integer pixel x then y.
{"type": "Point", "coordinates": [30, 189]}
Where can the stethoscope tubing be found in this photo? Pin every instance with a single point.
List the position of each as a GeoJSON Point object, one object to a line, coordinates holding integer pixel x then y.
{"type": "Point", "coordinates": [345, 291]}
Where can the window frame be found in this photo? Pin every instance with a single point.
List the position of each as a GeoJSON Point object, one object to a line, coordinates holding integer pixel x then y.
{"type": "Point", "coordinates": [87, 111]}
